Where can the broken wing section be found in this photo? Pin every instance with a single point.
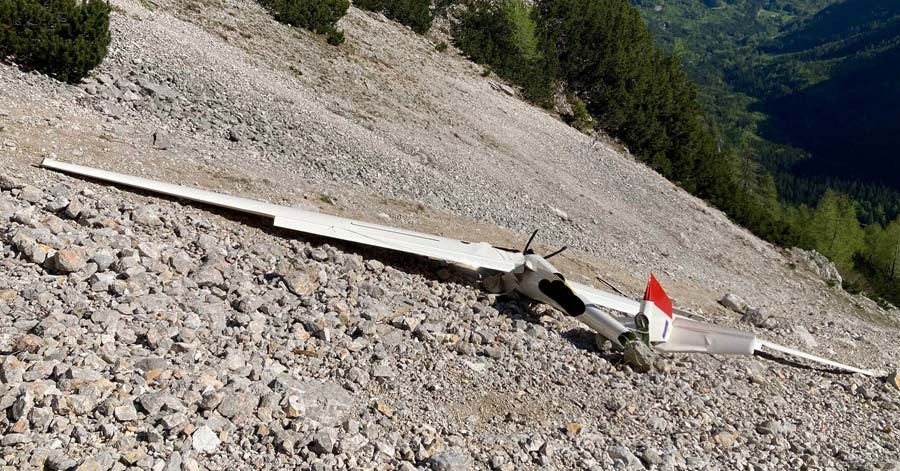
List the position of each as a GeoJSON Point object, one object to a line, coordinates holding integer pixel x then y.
{"type": "Point", "coordinates": [691, 336]}
{"type": "Point", "coordinates": [688, 335]}
{"type": "Point", "coordinates": [473, 255]}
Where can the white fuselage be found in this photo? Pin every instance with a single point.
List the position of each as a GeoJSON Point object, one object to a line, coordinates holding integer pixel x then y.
{"type": "Point", "coordinates": [542, 282]}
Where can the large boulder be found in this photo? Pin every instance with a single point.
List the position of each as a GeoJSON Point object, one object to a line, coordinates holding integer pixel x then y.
{"type": "Point", "coordinates": [818, 264]}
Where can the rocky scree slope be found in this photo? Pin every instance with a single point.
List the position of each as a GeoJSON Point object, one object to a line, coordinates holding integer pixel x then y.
{"type": "Point", "coordinates": [140, 332]}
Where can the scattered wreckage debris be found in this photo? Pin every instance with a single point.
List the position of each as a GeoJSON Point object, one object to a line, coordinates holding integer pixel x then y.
{"type": "Point", "coordinates": [652, 321]}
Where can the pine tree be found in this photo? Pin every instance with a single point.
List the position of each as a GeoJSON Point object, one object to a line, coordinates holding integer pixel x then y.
{"type": "Point", "coordinates": [62, 38]}
{"type": "Point", "coordinates": [505, 36]}
{"type": "Point", "coordinates": [320, 16]}
{"type": "Point", "coordinates": [417, 14]}
{"type": "Point", "coordinates": [835, 229]}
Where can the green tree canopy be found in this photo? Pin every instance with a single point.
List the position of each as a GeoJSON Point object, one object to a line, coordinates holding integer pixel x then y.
{"type": "Point", "coordinates": [62, 38]}
{"type": "Point", "coordinates": [320, 16]}
{"type": "Point", "coordinates": [835, 229]}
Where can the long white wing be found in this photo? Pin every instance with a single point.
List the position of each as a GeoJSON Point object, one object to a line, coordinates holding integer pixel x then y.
{"type": "Point", "coordinates": [473, 255]}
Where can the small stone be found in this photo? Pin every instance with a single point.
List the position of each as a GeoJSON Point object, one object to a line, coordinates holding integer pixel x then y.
{"type": "Point", "coordinates": [89, 464]}
{"type": "Point", "coordinates": [640, 357]}
{"type": "Point", "coordinates": [126, 413]}
{"type": "Point", "coordinates": [67, 261]}
{"type": "Point", "coordinates": [651, 457]}
{"type": "Point", "coordinates": [204, 440]}
{"type": "Point", "coordinates": [161, 140]}
{"type": "Point", "coordinates": [450, 460]}
{"type": "Point", "coordinates": [147, 215]}
{"type": "Point", "coordinates": [8, 183]}
{"type": "Point", "coordinates": [31, 194]}
{"type": "Point", "coordinates": [209, 276]}
{"type": "Point", "coordinates": [893, 379]}
{"type": "Point", "coordinates": [573, 429]}
{"type": "Point", "coordinates": [621, 454]}
{"type": "Point", "coordinates": [755, 316]}
{"type": "Point", "coordinates": [734, 302]}
{"type": "Point", "coordinates": [324, 441]}
{"type": "Point", "coordinates": [8, 294]}
{"type": "Point", "coordinates": [804, 336]}
{"type": "Point", "coordinates": [770, 427]}
{"type": "Point", "coordinates": [725, 439]}
{"type": "Point", "coordinates": [301, 282]}
{"type": "Point", "coordinates": [536, 331]}
{"type": "Point", "coordinates": [560, 213]}
{"type": "Point", "coordinates": [319, 255]}
{"type": "Point", "coordinates": [234, 134]}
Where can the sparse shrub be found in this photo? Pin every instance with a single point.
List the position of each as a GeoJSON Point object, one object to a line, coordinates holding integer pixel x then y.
{"type": "Point", "coordinates": [61, 38]}
{"type": "Point", "coordinates": [441, 46]}
{"type": "Point", "coordinates": [581, 119]}
{"type": "Point", "coordinates": [417, 14]}
{"type": "Point", "coordinates": [320, 16]}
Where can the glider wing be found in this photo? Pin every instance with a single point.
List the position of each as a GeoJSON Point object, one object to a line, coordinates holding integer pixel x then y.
{"type": "Point", "coordinates": [473, 255]}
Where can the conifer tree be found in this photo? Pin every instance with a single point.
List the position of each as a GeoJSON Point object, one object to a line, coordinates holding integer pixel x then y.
{"type": "Point", "coordinates": [62, 38]}
{"type": "Point", "coordinates": [320, 16]}
{"type": "Point", "coordinates": [417, 14]}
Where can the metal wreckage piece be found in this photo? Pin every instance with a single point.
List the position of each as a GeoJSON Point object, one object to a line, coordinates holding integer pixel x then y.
{"type": "Point", "coordinates": [652, 320]}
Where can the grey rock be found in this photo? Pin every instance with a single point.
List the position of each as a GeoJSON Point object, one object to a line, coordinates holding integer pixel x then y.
{"type": "Point", "coordinates": [104, 259]}
{"type": "Point", "coordinates": [624, 457]}
{"type": "Point", "coordinates": [450, 460]}
{"type": "Point", "coordinates": [147, 215]}
{"type": "Point", "coordinates": [208, 276]}
{"type": "Point", "coordinates": [804, 336]}
{"type": "Point", "coordinates": [755, 316]}
{"type": "Point", "coordinates": [126, 413]}
{"type": "Point", "coordinates": [301, 282]}
{"type": "Point", "coordinates": [8, 182]}
{"type": "Point", "coordinates": [60, 462]}
{"type": "Point", "coordinates": [161, 140]}
{"type": "Point", "coordinates": [204, 440]}
{"type": "Point", "coordinates": [324, 441]}
{"type": "Point", "coordinates": [324, 402]}
{"type": "Point", "coordinates": [893, 379]}
{"type": "Point", "coordinates": [67, 261]}
{"type": "Point", "coordinates": [174, 463]}
{"type": "Point", "coordinates": [31, 194]}
{"type": "Point", "coordinates": [640, 357]}
{"type": "Point", "coordinates": [234, 404]}
{"type": "Point", "coordinates": [770, 427]}
{"type": "Point", "coordinates": [734, 302]}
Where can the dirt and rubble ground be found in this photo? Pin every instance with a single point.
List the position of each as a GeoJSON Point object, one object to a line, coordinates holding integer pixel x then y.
{"type": "Point", "coordinates": [138, 332]}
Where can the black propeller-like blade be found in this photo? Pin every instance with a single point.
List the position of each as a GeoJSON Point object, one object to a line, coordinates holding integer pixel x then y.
{"type": "Point", "coordinates": [526, 250]}
{"type": "Point", "coordinates": [548, 257]}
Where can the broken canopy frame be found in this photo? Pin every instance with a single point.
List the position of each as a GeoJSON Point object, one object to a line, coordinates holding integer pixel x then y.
{"type": "Point", "coordinates": [684, 334]}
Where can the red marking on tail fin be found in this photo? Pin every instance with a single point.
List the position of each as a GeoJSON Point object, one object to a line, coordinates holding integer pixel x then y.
{"type": "Point", "coordinates": [658, 296]}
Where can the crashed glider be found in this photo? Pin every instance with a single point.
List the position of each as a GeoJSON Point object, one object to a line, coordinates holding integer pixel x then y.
{"type": "Point", "coordinates": [652, 320]}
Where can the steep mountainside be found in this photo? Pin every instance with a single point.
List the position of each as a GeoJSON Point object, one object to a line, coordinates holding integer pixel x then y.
{"type": "Point", "coordinates": [140, 332]}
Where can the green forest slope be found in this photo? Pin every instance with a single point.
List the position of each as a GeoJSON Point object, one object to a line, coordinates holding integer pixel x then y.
{"type": "Point", "coordinates": [805, 90]}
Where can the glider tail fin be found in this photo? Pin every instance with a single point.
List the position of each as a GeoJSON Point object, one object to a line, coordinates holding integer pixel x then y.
{"type": "Point", "coordinates": [655, 317]}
